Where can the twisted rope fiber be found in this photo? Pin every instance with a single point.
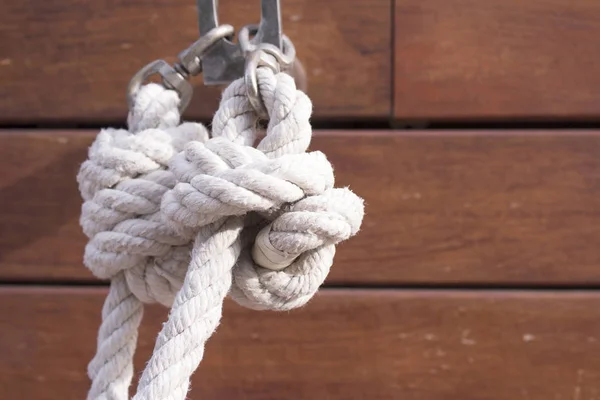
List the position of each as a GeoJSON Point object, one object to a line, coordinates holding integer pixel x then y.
{"type": "Point", "coordinates": [122, 184]}
{"type": "Point", "coordinates": [226, 192]}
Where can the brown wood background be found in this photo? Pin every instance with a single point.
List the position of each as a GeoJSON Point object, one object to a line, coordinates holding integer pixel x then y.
{"type": "Point", "coordinates": [477, 273]}
{"type": "Point", "coordinates": [74, 59]}
{"type": "Point", "coordinates": [496, 59]}
{"type": "Point", "coordinates": [443, 207]}
{"type": "Point", "coordinates": [346, 345]}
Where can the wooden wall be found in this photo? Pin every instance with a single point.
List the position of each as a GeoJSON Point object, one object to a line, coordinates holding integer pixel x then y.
{"type": "Point", "coordinates": [475, 276]}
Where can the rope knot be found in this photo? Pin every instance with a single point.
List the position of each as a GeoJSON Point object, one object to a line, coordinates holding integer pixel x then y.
{"type": "Point", "coordinates": [292, 255]}
{"type": "Point", "coordinates": [219, 178]}
{"type": "Point", "coordinates": [122, 183]}
{"type": "Point", "coordinates": [277, 186]}
{"type": "Point", "coordinates": [261, 225]}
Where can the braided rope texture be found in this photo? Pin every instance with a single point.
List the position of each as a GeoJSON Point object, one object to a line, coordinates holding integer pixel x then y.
{"type": "Point", "coordinates": [181, 219]}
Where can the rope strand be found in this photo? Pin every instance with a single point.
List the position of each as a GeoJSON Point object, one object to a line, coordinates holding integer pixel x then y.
{"type": "Point", "coordinates": [122, 184]}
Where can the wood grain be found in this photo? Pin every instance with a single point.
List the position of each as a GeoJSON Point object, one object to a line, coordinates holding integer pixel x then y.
{"type": "Point", "coordinates": [497, 59]}
{"type": "Point", "coordinates": [442, 207]}
{"type": "Point", "coordinates": [343, 345]}
{"type": "Point", "coordinates": [69, 61]}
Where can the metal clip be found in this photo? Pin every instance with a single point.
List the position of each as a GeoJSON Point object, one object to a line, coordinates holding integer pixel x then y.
{"type": "Point", "coordinates": [265, 55]}
{"type": "Point", "coordinates": [175, 77]}
{"type": "Point", "coordinates": [225, 61]}
{"type": "Point", "coordinates": [221, 61]}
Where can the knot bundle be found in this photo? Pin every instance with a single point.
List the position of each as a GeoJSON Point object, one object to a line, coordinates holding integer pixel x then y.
{"type": "Point", "coordinates": [184, 220]}
{"type": "Point", "coordinates": [122, 184]}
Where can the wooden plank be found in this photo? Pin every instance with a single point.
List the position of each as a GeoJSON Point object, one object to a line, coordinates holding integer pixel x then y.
{"type": "Point", "coordinates": [74, 59]}
{"type": "Point", "coordinates": [370, 344]}
{"type": "Point", "coordinates": [442, 207]}
{"type": "Point", "coordinates": [496, 59]}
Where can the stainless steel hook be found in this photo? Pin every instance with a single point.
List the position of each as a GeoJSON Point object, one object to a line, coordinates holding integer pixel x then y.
{"type": "Point", "coordinates": [176, 77]}
{"type": "Point", "coordinates": [225, 61]}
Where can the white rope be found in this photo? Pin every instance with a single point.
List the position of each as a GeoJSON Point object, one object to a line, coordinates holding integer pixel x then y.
{"type": "Point", "coordinates": [122, 184]}
{"type": "Point", "coordinates": [220, 193]}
